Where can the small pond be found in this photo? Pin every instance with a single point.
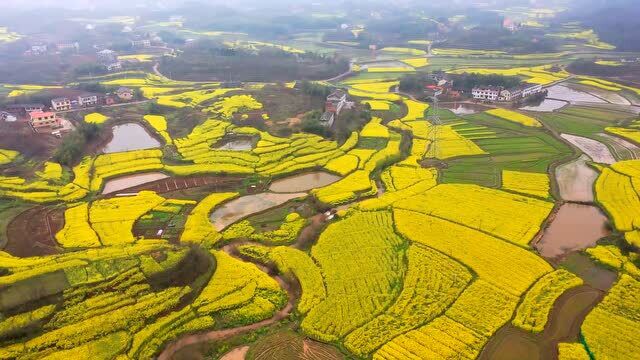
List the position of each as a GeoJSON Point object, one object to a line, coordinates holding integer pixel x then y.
{"type": "Point", "coordinates": [463, 108]}
{"type": "Point", "coordinates": [547, 105]}
{"type": "Point", "coordinates": [129, 181]}
{"type": "Point", "coordinates": [242, 143]}
{"type": "Point", "coordinates": [242, 207]}
{"type": "Point", "coordinates": [303, 182]}
{"type": "Point", "coordinates": [128, 137]}
{"type": "Point", "coordinates": [575, 227]}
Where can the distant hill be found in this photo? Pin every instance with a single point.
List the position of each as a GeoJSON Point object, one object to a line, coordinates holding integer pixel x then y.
{"type": "Point", "coordinates": [616, 21]}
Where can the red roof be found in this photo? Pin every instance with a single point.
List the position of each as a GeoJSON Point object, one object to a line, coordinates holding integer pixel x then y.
{"type": "Point", "coordinates": [41, 114]}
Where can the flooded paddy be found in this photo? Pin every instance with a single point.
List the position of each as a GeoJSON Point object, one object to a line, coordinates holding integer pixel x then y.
{"type": "Point", "coordinates": [574, 227]}
{"type": "Point", "coordinates": [463, 108]}
{"type": "Point", "coordinates": [623, 148]}
{"type": "Point", "coordinates": [242, 207]}
{"type": "Point", "coordinates": [129, 181]}
{"type": "Point", "coordinates": [303, 182]}
{"type": "Point", "coordinates": [128, 137]}
{"type": "Point", "coordinates": [561, 92]}
{"type": "Point", "coordinates": [575, 180]}
{"type": "Point", "coordinates": [547, 105]}
{"type": "Point", "coordinates": [596, 150]}
{"type": "Point", "coordinates": [608, 96]}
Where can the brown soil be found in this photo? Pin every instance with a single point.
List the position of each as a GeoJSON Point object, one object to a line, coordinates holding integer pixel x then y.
{"type": "Point", "coordinates": [182, 183]}
{"type": "Point", "coordinates": [238, 353]}
{"type": "Point", "coordinates": [32, 232]}
{"type": "Point", "coordinates": [290, 345]}
{"type": "Point", "coordinates": [310, 233]}
{"type": "Point", "coordinates": [564, 326]}
{"type": "Point", "coordinates": [19, 136]}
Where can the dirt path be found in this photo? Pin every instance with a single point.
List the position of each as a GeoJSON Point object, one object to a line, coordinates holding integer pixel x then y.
{"type": "Point", "coordinates": [565, 320]}
{"type": "Point", "coordinates": [239, 353]}
{"type": "Point", "coordinates": [217, 335]}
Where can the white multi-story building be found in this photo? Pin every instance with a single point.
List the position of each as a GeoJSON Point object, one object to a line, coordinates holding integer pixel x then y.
{"type": "Point", "coordinates": [531, 90]}
{"type": "Point", "coordinates": [61, 104]}
{"type": "Point", "coordinates": [510, 94]}
{"type": "Point", "coordinates": [486, 93]}
{"type": "Point", "coordinates": [336, 101]}
{"type": "Point", "coordinates": [88, 100]}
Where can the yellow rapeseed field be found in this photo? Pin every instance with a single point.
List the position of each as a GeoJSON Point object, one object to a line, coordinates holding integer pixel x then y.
{"type": "Point", "coordinates": [377, 87]}
{"type": "Point", "coordinates": [416, 62]}
{"type": "Point", "coordinates": [7, 156]}
{"type": "Point", "coordinates": [95, 118]}
{"type": "Point", "coordinates": [533, 311]}
{"type": "Point", "coordinates": [536, 184]}
{"type": "Point", "coordinates": [611, 328]}
{"type": "Point", "coordinates": [512, 217]}
{"type": "Point", "coordinates": [159, 123]}
{"type": "Point", "coordinates": [515, 117]}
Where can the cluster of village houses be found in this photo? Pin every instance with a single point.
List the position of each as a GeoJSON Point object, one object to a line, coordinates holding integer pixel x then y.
{"type": "Point", "coordinates": [497, 93]}
{"type": "Point", "coordinates": [336, 101]}
{"type": "Point", "coordinates": [43, 117]}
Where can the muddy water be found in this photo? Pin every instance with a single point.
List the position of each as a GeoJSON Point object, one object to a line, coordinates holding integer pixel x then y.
{"type": "Point", "coordinates": [561, 92]}
{"type": "Point", "coordinates": [593, 275]}
{"type": "Point", "coordinates": [596, 150]}
{"type": "Point", "coordinates": [240, 208]}
{"type": "Point", "coordinates": [511, 343]}
{"type": "Point", "coordinates": [303, 182]}
{"type": "Point", "coordinates": [547, 105]}
{"type": "Point", "coordinates": [463, 108]}
{"type": "Point", "coordinates": [575, 227]}
{"type": "Point", "coordinates": [125, 182]}
{"type": "Point", "coordinates": [575, 180]}
{"type": "Point", "coordinates": [129, 137]}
